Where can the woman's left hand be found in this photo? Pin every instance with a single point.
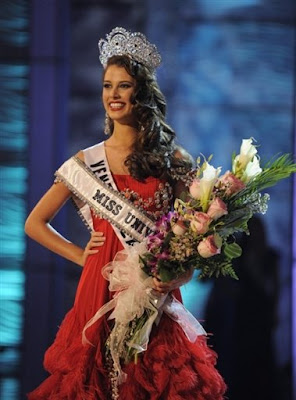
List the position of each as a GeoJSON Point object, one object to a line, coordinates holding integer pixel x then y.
{"type": "Point", "coordinates": [166, 287]}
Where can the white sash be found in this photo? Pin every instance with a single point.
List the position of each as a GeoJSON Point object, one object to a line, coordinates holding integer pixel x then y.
{"type": "Point", "coordinates": [99, 194]}
{"type": "Point", "coordinates": [93, 186]}
{"type": "Point", "coordinates": [95, 158]}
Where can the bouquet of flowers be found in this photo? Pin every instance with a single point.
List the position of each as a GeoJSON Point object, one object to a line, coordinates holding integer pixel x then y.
{"type": "Point", "coordinates": [198, 234]}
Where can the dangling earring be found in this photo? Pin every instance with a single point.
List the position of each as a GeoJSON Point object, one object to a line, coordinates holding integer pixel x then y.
{"type": "Point", "coordinates": [107, 130]}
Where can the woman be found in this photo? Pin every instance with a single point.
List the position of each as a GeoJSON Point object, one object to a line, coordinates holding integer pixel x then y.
{"type": "Point", "coordinates": [141, 161]}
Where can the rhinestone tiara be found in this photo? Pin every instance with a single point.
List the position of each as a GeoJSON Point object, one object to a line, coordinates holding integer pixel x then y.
{"type": "Point", "coordinates": [121, 42]}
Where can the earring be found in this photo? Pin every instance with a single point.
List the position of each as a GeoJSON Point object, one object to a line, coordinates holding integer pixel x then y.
{"type": "Point", "coordinates": [107, 129]}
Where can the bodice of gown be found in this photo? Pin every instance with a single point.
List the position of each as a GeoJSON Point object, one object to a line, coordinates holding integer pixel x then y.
{"type": "Point", "coordinates": [154, 197]}
{"type": "Point", "coordinates": [171, 368]}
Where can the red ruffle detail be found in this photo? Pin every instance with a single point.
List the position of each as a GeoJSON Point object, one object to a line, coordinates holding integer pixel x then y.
{"type": "Point", "coordinates": [77, 370]}
{"type": "Point", "coordinates": [171, 369]}
{"type": "Point", "coordinates": [174, 369]}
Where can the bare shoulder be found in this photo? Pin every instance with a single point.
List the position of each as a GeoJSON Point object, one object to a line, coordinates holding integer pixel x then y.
{"type": "Point", "coordinates": [80, 155]}
{"type": "Point", "coordinates": [182, 154]}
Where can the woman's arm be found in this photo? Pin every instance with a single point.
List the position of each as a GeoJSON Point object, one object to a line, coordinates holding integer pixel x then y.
{"type": "Point", "coordinates": [38, 226]}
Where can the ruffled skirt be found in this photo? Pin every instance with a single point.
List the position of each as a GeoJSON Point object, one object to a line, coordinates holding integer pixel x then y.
{"type": "Point", "coordinates": [171, 369]}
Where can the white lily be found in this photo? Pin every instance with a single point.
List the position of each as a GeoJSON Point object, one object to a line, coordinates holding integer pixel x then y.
{"type": "Point", "coordinates": [247, 153]}
{"type": "Point", "coordinates": [207, 182]}
{"type": "Point", "coordinates": [252, 169]}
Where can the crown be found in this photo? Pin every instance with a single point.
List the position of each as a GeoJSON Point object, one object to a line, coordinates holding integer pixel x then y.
{"type": "Point", "coordinates": [121, 42]}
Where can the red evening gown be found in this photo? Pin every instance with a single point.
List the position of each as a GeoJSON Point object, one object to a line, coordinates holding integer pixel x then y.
{"type": "Point", "coordinates": [171, 369]}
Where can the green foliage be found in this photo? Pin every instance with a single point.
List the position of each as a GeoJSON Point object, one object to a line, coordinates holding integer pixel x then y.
{"type": "Point", "coordinates": [169, 270]}
{"type": "Point", "coordinates": [232, 250]}
{"type": "Point", "coordinates": [183, 196]}
{"type": "Point", "coordinates": [236, 221]}
{"type": "Point", "coordinates": [217, 266]}
{"type": "Point", "coordinates": [166, 274]}
{"type": "Point", "coordinates": [273, 172]}
{"type": "Point", "coordinates": [241, 206]}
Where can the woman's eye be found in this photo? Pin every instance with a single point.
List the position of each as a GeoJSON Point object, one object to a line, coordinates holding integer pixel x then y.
{"type": "Point", "coordinates": [125, 85]}
{"type": "Point", "coordinates": [120, 86]}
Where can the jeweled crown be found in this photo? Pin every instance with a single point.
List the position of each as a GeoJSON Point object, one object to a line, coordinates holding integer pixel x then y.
{"type": "Point", "coordinates": [121, 42]}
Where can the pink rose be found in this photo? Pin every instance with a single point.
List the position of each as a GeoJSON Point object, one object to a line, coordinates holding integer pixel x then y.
{"type": "Point", "coordinates": [200, 222]}
{"type": "Point", "coordinates": [231, 183]}
{"type": "Point", "coordinates": [179, 228]}
{"type": "Point", "coordinates": [208, 248]}
{"type": "Point", "coordinates": [194, 189]}
{"type": "Point", "coordinates": [217, 208]}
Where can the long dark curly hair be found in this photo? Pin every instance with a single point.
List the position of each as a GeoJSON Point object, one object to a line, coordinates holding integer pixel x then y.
{"type": "Point", "coordinates": [154, 151]}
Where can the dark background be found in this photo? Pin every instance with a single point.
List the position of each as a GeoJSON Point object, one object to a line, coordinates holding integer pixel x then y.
{"type": "Point", "coordinates": [228, 73]}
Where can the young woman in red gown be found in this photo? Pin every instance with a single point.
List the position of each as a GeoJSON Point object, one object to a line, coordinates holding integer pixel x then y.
{"type": "Point", "coordinates": [141, 154]}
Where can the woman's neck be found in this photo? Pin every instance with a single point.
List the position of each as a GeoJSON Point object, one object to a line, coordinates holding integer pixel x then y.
{"type": "Point", "coordinates": [123, 136]}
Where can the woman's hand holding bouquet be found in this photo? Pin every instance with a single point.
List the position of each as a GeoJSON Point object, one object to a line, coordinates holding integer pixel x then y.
{"type": "Point", "coordinates": [199, 233]}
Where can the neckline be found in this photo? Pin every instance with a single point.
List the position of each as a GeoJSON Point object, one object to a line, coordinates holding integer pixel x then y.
{"type": "Point", "coordinates": [120, 174]}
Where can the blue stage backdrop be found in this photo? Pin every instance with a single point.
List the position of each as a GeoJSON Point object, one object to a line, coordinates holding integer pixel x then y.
{"type": "Point", "coordinates": [228, 73]}
{"type": "Point", "coordinates": [14, 89]}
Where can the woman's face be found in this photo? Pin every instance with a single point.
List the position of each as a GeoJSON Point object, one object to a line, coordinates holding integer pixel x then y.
{"type": "Point", "coordinates": [118, 87]}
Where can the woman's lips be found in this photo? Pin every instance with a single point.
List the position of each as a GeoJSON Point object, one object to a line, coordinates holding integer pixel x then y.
{"type": "Point", "coordinates": [116, 106]}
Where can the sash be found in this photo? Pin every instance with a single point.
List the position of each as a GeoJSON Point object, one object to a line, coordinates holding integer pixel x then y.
{"type": "Point", "coordinates": [95, 158]}
{"type": "Point", "coordinates": [94, 189]}
{"type": "Point", "coordinates": [128, 221]}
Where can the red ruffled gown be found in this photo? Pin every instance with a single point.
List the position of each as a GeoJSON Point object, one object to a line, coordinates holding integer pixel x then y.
{"type": "Point", "coordinates": [171, 369]}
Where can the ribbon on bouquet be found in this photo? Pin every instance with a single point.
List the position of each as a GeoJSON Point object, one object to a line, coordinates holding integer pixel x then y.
{"type": "Point", "coordinates": [135, 295]}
